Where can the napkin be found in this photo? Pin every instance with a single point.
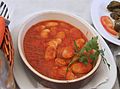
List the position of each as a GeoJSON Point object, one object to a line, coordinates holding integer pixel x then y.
{"type": "Point", "coordinates": [10, 5]}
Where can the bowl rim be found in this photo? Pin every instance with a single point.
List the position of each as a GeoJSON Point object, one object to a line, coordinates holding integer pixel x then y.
{"type": "Point", "coordinates": [35, 71]}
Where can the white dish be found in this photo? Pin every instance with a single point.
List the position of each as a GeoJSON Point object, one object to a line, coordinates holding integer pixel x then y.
{"type": "Point", "coordinates": [25, 83]}
{"type": "Point", "coordinates": [98, 9]}
{"type": "Point", "coordinates": [62, 16]}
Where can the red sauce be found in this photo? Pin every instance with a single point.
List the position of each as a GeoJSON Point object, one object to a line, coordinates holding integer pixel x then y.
{"type": "Point", "coordinates": [52, 63]}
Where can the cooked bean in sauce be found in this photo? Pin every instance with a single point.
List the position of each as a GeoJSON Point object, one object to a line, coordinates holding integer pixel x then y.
{"type": "Point", "coordinates": [49, 48]}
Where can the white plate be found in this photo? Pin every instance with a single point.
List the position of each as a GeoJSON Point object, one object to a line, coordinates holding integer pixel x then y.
{"type": "Point", "coordinates": [24, 82]}
{"type": "Point", "coordinates": [98, 9]}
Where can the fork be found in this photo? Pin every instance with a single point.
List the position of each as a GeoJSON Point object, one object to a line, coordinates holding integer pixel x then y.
{"type": "Point", "coordinates": [4, 12]}
{"type": "Point", "coordinates": [116, 53]}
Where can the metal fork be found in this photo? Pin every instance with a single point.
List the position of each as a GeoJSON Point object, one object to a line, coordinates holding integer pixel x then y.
{"type": "Point", "coordinates": [4, 12]}
{"type": "Point", "coordinates": [116, 53]}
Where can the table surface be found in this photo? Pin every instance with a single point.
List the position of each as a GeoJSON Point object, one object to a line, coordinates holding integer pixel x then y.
{"type": "Point", "coordinates": [21, 8]}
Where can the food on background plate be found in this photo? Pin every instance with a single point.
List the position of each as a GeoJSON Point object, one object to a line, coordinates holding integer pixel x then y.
{"type": "Point", "coordinates": [117, 25]}
{"type": "Point", "coordinates": [115, 15]}
{"type": "Point", "coordinates": [59, 50]}
{"type": "Point", "coordinates": [114, 6]}
{"type": "Point", "coordinates": [112, 25]}
{"type": "Point", "coordinates": [108, 25]}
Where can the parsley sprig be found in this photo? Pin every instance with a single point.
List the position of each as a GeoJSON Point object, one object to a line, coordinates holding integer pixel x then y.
{"type": "Point", "coordinates": [82, 57]}
{"type": "Point", "coordinates": [90, 45]}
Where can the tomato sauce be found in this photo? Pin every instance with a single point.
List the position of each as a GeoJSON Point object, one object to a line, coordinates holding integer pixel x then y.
{"type": "Point", "coordinates": [49, 47]}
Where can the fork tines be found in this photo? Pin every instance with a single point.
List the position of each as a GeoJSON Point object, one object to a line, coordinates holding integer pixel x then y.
{"type": "Point", "coordinates": [4, 10]}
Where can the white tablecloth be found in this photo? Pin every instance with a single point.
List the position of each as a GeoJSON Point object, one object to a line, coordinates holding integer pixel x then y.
{"type": "Point", "coordinates": [21, 8]}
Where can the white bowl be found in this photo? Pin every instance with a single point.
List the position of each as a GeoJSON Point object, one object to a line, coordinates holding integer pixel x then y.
{"type": "Point", "coordinates": [76, 21]}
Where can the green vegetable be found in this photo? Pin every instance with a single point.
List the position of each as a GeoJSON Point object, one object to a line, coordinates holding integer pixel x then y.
{"type": "Point", "coordinates": [82, 57]}
{"type": "Point", "coordinates": [90, 45]}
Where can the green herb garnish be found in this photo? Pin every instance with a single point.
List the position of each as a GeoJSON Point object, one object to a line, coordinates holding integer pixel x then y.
{"type": "Point", "coordinates": [82, 57]}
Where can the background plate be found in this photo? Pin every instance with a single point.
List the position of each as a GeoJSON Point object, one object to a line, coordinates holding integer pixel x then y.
{"type": "Point", "coordinates": [98, 9]}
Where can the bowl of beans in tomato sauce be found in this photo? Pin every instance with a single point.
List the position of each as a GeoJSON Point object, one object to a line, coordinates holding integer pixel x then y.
{"type": "Point", "coordinates": [54, 46]}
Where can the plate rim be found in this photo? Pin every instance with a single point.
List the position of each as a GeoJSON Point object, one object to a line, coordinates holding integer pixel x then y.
{"type": "Point", "coordinates": [106, 48]}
